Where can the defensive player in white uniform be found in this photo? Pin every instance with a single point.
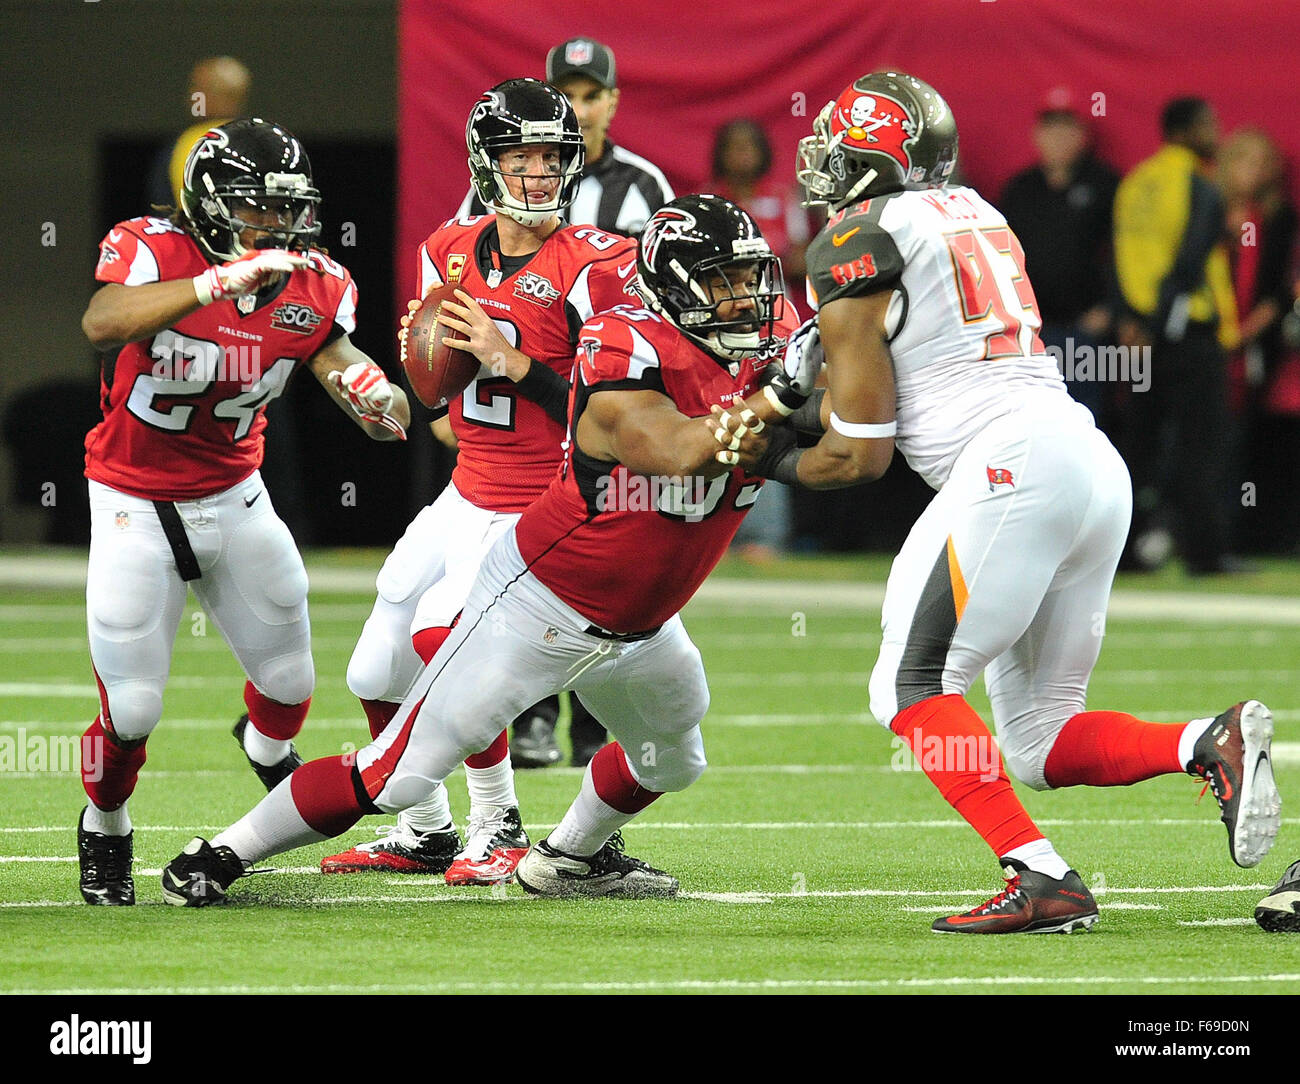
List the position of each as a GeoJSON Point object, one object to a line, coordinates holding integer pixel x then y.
{"type": "Point", "coordinates": [929, 327]}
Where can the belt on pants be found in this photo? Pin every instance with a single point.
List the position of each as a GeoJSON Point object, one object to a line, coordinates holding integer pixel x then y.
{"type": "Point", "coordinates": [621, 637]}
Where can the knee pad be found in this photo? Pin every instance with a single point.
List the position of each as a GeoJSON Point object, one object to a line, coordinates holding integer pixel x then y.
{"type": "Point", "coordinates": [134, 708]}
{"type": "Point", "coordinates": [383, 664]}
{"type": "Point", "coordinates": [669, 768]}
{"type": "Point", "coordinates": [1026, 760]}
{"type": "Point", "coordinates": [290, 679]}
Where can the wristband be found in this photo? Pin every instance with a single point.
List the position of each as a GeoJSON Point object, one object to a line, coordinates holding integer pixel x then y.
{"type": "Point", "coordinates": [775, 401]}
{"type": "Point", "coordinates": [786, 469]}
{"type": "Point", "coordinates": [863, 430]}
{"type": "Point", "coordinates": [207, 286]}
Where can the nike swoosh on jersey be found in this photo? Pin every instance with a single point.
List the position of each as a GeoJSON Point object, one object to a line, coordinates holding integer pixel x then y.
{"type": "Point", "coordinates": [115, 235]}
{"type": "Point", "coordinates": [838, 239]}
{"type": "Point", "coordinates": [622, 271]}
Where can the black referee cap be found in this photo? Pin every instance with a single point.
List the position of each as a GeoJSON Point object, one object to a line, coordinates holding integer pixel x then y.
{"type": "Point", "coordinates": [581, 56]}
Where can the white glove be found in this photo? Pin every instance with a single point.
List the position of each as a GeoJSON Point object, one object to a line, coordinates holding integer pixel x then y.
{"type": "Point", "coordinates": [792, 379]}
{"type": "Point", "coordinates": [365, 386]}
{"type": "Point", "coordinates": [245, 276]}
{"type": "Point", "coordinates": [369, 393]}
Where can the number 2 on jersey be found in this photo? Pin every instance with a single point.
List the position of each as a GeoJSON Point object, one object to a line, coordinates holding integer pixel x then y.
{"type": "Point", "coordinates": [989, 266]}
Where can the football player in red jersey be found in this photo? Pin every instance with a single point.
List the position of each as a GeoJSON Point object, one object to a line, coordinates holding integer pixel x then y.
{"type": "Point", "coordinates": [528, 284]}
{"type": "Point", "coordinates": [930, 329]}
{"type": "Point", "coordinates": [583, 592]}
{"type": "Point", "coordinates": [203, 318]}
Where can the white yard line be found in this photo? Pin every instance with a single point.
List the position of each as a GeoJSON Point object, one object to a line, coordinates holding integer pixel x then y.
{"type": "Point", "coordinates": [686, 985]}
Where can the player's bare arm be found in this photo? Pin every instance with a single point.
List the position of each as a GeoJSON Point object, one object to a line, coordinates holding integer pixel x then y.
{"type": "Point", "coordinates": [361, 390]}
{"type": "Point", "coordinates": [860, 374]}
{"type": "Point", "coordinates": [645, 432]}
{"type": "Point", "coordinates": [119, 314]}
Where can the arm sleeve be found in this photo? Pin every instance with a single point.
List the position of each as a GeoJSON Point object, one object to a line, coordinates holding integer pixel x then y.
{"type": "Point", "coordinates": [865, 261]}
{"type": "Point", "coordinates": [1204, 229]}
{"type": "Point", "coordinates": [548, 389]}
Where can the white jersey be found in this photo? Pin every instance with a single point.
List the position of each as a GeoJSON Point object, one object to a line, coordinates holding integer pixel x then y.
{"type": "Point", "coordinates": [964, 327]}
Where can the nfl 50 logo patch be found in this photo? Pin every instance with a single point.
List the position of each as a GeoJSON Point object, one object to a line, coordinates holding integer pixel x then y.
{"type": "Point", "coordinates": [298, 318]}
{"type": "Point", "coordinates": [533, 287]}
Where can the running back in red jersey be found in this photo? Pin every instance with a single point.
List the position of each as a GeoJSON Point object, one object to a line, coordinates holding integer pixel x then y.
{"type": "Point", "coordinates": [184, 410]}
{"type": "Point", "coordinates": [626, 550]}
{"type": "Point", "coordinates": [509, 447]}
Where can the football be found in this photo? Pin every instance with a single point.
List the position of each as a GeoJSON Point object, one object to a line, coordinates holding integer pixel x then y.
{"type": "Point", "coordinates": [437, 372]}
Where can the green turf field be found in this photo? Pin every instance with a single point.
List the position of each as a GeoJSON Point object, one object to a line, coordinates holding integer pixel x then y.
{"type": "Point", "coordinates": [808, 863]}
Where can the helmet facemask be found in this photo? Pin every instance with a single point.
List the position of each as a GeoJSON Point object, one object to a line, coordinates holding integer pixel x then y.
{"type": "Point", "coordinates": [750, 274]}
{"type": "Point", "coordinates": [283, 210]}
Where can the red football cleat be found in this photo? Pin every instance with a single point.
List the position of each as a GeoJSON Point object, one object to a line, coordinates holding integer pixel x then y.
{"type": "Point", "coordinates": [497, 841]}
{"type": "Point", "coordinates": [1032, 902]}
{"type": "Point", "coordinates": [399, 851]}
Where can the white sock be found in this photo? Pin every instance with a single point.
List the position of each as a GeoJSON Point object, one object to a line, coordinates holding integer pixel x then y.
{"type": "Point", "coordinates": [272, 826]}
{"type": "Point", "coordinates": [429, 815]}
{"type": "Point", "coordinates": [1188, 738]}
{"type": "Point", "coordinates": [266, 751]}
{"type": "Point", "coordinates": [1041, 857]}
{"type": "Point", "coordinates": [588, 823]}
{"type": "Point", "coordinates": [107, 822]}
{"type": "Point", "coordinates": [491, 786]}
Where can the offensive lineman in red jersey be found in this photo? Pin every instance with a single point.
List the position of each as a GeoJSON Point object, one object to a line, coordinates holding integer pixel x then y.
{"type": "Point", "coordinates": [205, 324]}
{"type": "Point", "coordinates": [583, 593]}
{"type": "Point", "coordinates": [529, 283]}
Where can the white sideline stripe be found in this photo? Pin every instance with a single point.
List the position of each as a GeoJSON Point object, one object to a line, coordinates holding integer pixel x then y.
{"type": "Point", "coordinates": [1217, 922]}
{"type": "Point", "coordinates": [517, 986]}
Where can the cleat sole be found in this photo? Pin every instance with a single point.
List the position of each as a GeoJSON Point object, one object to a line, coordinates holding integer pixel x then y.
{"type": "Point", "coordinates": [1259, 815]}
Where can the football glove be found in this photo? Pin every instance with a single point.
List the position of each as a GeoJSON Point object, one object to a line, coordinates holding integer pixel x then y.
{"type": "Point", "coordinates": [368, 392]}
{"type": "Point", "coordinates": [790, 381]}
{"type": "Point", "coordinates": [245, 276]}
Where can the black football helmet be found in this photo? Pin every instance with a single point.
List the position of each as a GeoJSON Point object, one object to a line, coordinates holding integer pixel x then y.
{"type": "Point", "coordinates": [689, 245]}
{"type": "Point", "coordinates": [514, 113]}
{"type": "Point", "coordinates": [887, 132]}
{"type": "Point", "coordinates": [249, 167]}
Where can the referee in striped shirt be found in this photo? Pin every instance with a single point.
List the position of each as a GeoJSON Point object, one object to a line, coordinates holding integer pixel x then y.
{"type": "Point", "coordinates": [619, 190]}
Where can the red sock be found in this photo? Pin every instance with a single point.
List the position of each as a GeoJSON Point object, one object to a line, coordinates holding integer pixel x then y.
{"type": "Point", "coordinates": [614, 782]}
{"type": "Point", "coordinates": [493, 755]}
{"type": "Point", "coordinates": [943, 733]}
{"type": "Point", "coordinates": [278, 721]}
{"type": "Point", "coordinates": [1112, 749]}
{"type": "Point", "coordinates": [379, 713]}
{"type": "Point", "coordinates": [327, 796]}
{"type": "Point", "coordinates": [427, 641]}
{"type": "Point", "coordinates": [109, 770]}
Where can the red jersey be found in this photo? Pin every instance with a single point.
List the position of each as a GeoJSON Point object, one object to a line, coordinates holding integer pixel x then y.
{"type": "Point", "coordinates": [509, 445]}
{"type": "Point", "coordinates": [624, 550]}
{"type": "Point", "coordinates": [184, 410]}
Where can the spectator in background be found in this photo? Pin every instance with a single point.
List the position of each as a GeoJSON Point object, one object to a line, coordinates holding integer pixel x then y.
{"type": "Point", "coordinates": [1060, 208]}
{"type": "Point", "coordinates": [742, 173]}
{"type": "Point", "coordinates": [1261, 232]}
{"type": "Point", "coordinates": [619, 190]}
{"type": "Point", "coordinates": [218, 92]}
{"type": "Point", "coordinates": [1176, 289]}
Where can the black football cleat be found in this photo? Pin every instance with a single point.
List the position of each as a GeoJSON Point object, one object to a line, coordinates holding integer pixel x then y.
{"type": "Point", "coordinates": [545, 871]}
{"type": "Point", "coordinates": [1032, 902]}
{"type": "Point", "coordinates": [1279, 911]}
{"type": "Point", "coordinates": [274, 774]}
{"type": "Point", "coordinates": [105, 862]}
{"type": "Point", "coordinates": [1234, 758]}
{"type": "Point", "coordinates": [200, 874]}
{"type": "Point", "coordinates": [533, 744]}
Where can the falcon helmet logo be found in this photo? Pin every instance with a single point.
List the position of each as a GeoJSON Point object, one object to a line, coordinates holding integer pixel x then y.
{"type": "Point", "coordinates": [209, 145]}
{"type": "Point", "coordinates": [668, 224]}
{"type": "Point", "coordinates": [874, 122]}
